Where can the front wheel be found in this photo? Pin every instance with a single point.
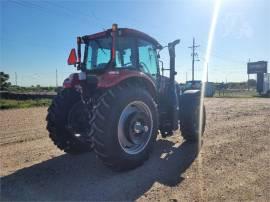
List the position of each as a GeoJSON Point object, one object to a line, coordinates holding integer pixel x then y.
{"type": "Point", "coordinates": [67, 122]}
{"type": "Point", "coordinates": [124, 127]}
{"type": "Point", "coordinates": [189, 114]}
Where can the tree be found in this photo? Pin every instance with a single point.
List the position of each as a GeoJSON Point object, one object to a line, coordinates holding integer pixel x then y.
{"type": "Point", "coordinates": [4, 85]}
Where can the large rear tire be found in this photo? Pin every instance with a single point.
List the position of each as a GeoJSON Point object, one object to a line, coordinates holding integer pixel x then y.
{"type": "Point", "coordinates": [124, 127]}
{"type": "Point", "coordinates": [189, 113]}
{"type": "Point", "coordinates": [67, 122]}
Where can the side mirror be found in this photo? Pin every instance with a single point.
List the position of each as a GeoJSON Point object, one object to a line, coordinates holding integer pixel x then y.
{"type": "Point", "coordinates": [72, 58]}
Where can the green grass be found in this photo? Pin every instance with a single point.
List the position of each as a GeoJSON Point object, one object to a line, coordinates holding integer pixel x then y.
{"type": "Point", "coordinates": [11, 104]}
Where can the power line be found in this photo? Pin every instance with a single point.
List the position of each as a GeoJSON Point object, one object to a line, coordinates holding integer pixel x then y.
{"type": "Point", "coordinates": [81, 14]}
{"type": "Point", "coordinates": [222, 57]}
{"type": "Point", "coordinates": [194, 54]}
{"type": "Point", "coordinates": [68, 13]}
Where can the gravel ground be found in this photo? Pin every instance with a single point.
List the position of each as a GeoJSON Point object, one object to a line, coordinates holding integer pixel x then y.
{"type": "Point", "coordinates": [233, 165]}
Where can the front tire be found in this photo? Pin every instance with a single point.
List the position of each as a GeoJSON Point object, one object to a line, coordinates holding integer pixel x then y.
{"type": "Point", "coordinates": [189, 114]}
{"type": "Point", "coordinates": [124, 127]}
{"type": "Point", "coordinates": [67, 122]}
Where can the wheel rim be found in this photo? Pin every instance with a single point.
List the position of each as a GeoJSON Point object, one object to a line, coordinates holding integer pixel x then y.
{"type": "Point", "coordinates": [78, 119]}
{"type": "Point", "coordinates": [135, 127]}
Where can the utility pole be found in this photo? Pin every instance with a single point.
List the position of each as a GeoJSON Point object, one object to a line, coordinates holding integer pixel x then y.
{"type": "Point", "coordinates": [186, 77]}
{"type": "Point", "coordinates": [193, 54]}
{"type": "Point", "coordinates": [56, 78]}
{"type": "Point", "coordinates": [16, 78]}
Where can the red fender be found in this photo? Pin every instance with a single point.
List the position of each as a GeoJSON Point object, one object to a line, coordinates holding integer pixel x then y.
{"type": "Point", "coordinates": [71, 81]}
{"type": "Point", "coordinates": [112, 78]}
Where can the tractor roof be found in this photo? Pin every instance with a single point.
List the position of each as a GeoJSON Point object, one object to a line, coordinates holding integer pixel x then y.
{"type": "Point", "coordinates": [124, 32]}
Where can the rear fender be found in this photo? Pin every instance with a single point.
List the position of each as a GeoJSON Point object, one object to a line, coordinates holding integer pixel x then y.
{"type": "Point", "coordinates": [71, 81]}
{"type": "Point", "coordinates": [74, 80]}
{"type": "Point", "coordinates": [113, 78]}
{"type": "Point", "coordinates": [192, 93]}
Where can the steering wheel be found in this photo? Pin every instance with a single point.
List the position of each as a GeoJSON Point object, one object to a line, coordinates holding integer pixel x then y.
{"type": "Point", "coordinates": [145, 67]}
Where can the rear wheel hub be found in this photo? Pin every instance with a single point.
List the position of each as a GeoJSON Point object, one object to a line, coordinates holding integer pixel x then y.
{"type": "Point", "coordinates": [135, 127]}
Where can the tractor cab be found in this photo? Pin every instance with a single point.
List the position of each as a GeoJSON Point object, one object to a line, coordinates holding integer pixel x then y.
{"type": "Point", "coordinates": [117, 49]}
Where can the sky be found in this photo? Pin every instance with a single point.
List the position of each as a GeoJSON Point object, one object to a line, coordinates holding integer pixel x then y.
{"type": "Point", "coordinates": [36, 36]}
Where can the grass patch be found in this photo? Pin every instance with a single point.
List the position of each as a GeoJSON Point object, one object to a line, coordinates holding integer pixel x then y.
{"type": "Point", "coordinates": [12, 104]}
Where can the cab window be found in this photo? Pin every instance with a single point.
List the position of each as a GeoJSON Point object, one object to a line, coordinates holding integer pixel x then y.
{"type": "Point", "coordinates": [98, 53]}
{"type": "Point", "coordinates": [147, 58]}
{"type": "Point", "coordinates": [125, 53]}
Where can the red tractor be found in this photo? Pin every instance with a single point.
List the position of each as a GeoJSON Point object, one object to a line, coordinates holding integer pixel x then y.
{"type": "Point", "coordinates": [119, 100]}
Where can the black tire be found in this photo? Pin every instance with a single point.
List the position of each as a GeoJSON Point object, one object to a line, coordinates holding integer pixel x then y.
{"type": "Point", "coordinates": [57, 121]}
{"type": "Point", "coordinates": [189, 116]}
{"type": "Point", "coordinates": [107, 116]}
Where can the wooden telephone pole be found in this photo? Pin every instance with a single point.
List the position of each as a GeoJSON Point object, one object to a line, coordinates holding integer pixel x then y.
{"type": "Point", "coordinates": [193, 54]}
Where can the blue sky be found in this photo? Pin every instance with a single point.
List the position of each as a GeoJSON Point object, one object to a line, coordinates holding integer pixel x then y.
{"type": "Point", "coordinates": [36, 36]}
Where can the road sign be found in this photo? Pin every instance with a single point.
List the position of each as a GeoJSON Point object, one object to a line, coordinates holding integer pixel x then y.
{"type": "Point", "coordinates": [257, 67]}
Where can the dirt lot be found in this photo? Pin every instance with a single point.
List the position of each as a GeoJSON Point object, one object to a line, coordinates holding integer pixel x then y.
{"type": "Point", "coordinates": [233, 165]}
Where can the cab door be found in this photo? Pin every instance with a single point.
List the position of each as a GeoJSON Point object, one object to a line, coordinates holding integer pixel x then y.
{"type": "Point", "coordinates": [147, 59]}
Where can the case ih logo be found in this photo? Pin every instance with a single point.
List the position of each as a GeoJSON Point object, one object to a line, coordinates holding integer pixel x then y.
{"type": "Point", "coordinates": [257, 67]}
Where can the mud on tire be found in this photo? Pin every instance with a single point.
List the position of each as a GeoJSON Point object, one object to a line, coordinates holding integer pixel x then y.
{"type": "Point", "coordinates": [57, 121]}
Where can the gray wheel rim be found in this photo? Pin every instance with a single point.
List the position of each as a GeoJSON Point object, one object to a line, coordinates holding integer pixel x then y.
{"type": "Point", "coordinates": [137, 137]}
